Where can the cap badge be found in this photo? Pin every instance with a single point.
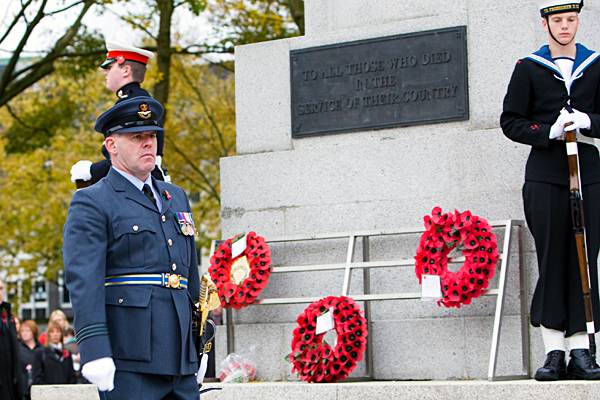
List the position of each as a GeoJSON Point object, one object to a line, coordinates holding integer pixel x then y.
{"type": "Point", "coordinates": [120, 60]}
{"type": "Point", "coordinates": [144, 112]}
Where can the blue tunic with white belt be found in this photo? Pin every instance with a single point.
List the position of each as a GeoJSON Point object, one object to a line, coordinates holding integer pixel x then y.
{"type": "Point", "coordinates": [123, 262]}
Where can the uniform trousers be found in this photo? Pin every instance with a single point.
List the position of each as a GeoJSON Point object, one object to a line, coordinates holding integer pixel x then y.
{"type": "Point", "coordinates": [558, 301]}
{"type": "Point", "coordinates": [136, 386]}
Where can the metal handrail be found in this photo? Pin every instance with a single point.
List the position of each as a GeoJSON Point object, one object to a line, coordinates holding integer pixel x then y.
{"type": "Point", "coordinates": [366, 265]}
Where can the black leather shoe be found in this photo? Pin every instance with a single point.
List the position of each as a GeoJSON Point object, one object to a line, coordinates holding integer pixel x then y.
{"type": "Point", "coordinates": [554, 368]}
{"type": "Point", "coordinates": [582, 365]}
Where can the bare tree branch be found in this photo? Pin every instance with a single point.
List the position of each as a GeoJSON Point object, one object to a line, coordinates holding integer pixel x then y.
{"type": "Point", "coordinates": [212, 190]}
{"type": "Point", "coordinates": [23, 123]}
{"type": "Point", "coordinates": [133, 23]}
{"type": "Point", "coordinates": [10, 86]}
{"type": "Point", "coordinates": [224, 149]}
{"type": "Point", "coordinates": [10, 67]}
{"type": "Point", "coordinates": [16, 19]}
{"type": "Point", "coordinates": [51, 13]}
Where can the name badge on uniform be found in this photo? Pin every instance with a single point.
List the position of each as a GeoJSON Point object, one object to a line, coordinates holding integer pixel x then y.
{"type": "Point", "coordinates": [186, 223]}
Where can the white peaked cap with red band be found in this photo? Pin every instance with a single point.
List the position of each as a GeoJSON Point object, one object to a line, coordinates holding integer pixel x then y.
{"type": "Point", "coordinates": [119, 53]}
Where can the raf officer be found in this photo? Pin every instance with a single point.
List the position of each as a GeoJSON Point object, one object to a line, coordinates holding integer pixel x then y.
{"type": "Point", "coordinates": [124, 69]}
{"type": "Point", "coordinates": [131, 268]}
{"type": "Point", "coordinates": [561, 74]}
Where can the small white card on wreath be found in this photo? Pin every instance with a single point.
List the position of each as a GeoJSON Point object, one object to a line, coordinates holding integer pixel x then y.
{"type": "Point", "coordinates": [325, 322]}
{"type": "Point", "coordinates": [239, 245]}
{"type": "Point", "coordinates": [431, 287]}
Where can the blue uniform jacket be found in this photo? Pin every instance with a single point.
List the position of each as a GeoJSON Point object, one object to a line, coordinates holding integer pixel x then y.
{"type": "Point", "coordinates": [113, 229]}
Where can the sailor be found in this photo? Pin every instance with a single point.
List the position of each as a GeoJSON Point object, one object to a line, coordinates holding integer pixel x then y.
{"type": "Point", "coordinates": [561, 75]}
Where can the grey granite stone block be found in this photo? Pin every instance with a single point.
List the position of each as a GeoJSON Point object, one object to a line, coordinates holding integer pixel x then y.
{"type": "Point", "coordinates": [71, 392]}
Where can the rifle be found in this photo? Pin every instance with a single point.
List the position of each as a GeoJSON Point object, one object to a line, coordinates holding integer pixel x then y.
{"type": "Point", "coordinates": [578, 221]}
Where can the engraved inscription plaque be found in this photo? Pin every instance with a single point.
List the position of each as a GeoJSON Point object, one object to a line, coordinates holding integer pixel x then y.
{"type": "Point", "coordinates": [409, 79]}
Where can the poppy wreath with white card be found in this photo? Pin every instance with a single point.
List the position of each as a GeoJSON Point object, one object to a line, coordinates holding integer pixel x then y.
{"type": "Point", "coordinates": [473, 237]}
{"type": "Point", "coordinates": [316, 360]}
{"type": "Point", "coordinates": [240, 268]}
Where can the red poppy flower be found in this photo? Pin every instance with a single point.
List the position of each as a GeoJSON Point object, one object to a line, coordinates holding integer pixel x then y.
{"type": "Point", "coordinates": [471, 242]}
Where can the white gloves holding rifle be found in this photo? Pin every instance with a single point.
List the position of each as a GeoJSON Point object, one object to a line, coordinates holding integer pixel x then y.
{"type": "Point", "coordinates": [100, 372]}
{"type": "Point", "coordinates": [579, 121]}
{"type": "Point", "coordinates": [574, 120]}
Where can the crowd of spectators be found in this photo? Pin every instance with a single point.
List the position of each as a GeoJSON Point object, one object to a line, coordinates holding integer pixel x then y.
{"type": "Point", "coordinates": [49, 357]}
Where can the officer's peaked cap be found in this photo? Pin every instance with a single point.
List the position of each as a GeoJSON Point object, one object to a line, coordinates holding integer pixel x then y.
{"type": "Point", "coordinates": [120, 52]}
{"type": "Point", "coordinates": [138, 114]}
{"type": "Point", "coordinates": [557, 6]}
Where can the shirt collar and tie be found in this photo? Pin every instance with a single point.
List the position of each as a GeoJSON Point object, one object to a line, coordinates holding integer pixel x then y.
{"type": "Point", "coordinates": [145, 187]}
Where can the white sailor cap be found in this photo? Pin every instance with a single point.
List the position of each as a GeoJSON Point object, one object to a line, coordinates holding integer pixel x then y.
{"type": "Point", "coordinates": [119, 53]}
{"type": "Point", "coordinates": [557, 6]}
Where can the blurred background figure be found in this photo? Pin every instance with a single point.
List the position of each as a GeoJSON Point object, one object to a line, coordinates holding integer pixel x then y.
{"type": "Point", "coordinates": [59, 317]}
{"type": "Point", "coordinates": [17, 322]}
{"type": "Point", "coordinates": [28, 334]}
{"type": "Point", "coordinates": [11, 385]}
{"type": "Point", "coordinates": [53, 363]}
{"type": "Point", "coordinates": [71, 345]}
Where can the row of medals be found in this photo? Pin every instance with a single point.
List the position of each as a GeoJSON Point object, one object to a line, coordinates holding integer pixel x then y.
{"type": "Point", "coordinates": [187, 229]}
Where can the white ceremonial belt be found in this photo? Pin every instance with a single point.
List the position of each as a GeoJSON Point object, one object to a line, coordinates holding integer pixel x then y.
{"type": "Point", "coordinates": [585, 139]}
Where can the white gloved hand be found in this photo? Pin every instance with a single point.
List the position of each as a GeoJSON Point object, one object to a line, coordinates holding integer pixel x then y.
{"type": "Point", "coordinates": [202, 369]}
{"type": "Point", "coordinates": [100, 372]}
{"type": "Point", "coordinates": [578, 120]}
{"type": "Point", "coordinates": [81, 170]}
{"type": "Point", "coordinates": [558, 128]}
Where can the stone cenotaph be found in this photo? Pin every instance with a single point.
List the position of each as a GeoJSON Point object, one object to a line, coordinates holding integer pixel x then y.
{"type": "Point", "coordinates": [381, 111]}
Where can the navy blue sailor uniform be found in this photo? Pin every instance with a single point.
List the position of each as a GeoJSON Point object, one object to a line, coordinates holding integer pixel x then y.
{"type": "Point", "coordinates": [131, 270]}
{"type": "Point", "coordinates": [536, 93]}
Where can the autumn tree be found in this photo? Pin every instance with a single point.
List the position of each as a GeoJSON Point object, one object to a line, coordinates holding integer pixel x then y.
{"type": "Point", "coordinates": [74, 42]}
{"type": "Point", "coordinates": [41, 136]}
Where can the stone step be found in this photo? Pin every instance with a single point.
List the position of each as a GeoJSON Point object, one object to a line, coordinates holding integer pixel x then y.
{"type": "Point", "coordinates": [403, 390]}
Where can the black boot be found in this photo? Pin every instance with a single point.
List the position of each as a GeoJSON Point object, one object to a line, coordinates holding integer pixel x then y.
{"type": "Point", "coordinates": [582, 365]}
{"type": "Point", "coordinates": [554, 368]}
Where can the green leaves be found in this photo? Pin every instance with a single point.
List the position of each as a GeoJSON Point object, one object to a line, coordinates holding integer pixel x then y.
{"type": "Point", "coordinates": [196, 6]}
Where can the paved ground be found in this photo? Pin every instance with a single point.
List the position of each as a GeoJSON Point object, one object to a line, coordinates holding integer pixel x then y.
{"type": "Point", "coordinates": [405, 390]}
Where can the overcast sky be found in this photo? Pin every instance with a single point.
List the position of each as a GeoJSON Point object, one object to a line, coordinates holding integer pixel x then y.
{"type": "Point", "coordinates": [190, 27]}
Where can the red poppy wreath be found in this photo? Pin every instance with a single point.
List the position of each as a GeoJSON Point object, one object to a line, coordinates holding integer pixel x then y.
{"type": "Point", "coordinates": [468, 233]}
{"type": "Point", "coordinates": [240, 279]}
{"type": "Point", "coordinates": [313, 358]}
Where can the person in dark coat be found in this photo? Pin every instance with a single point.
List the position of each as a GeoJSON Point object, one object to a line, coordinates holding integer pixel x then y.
{"type": "Point", "coordinates": [53, 363]}
{"type": "Point", "coordinates": [28, 340]}
{"type": "Point", "coordinates": [11, 383]}
{"type": "Point", "coordinates": [131, 267]}
{"type": "Point", "coordinates": [124, 69]}
{"type": "Point", "coordinates": [554, 90]}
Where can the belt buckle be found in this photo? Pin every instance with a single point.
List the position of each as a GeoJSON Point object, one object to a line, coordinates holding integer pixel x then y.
{"type": "Point", "coordinates": [173, 281]}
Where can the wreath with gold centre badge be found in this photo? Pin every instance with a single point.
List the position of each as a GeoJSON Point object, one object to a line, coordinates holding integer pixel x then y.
{"type": "Point", "coordinates": [473, 237]}
{"type": "Point", "coordinates": [241, 278]}
{"type": "Point", "coordinates": [312, 357]}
